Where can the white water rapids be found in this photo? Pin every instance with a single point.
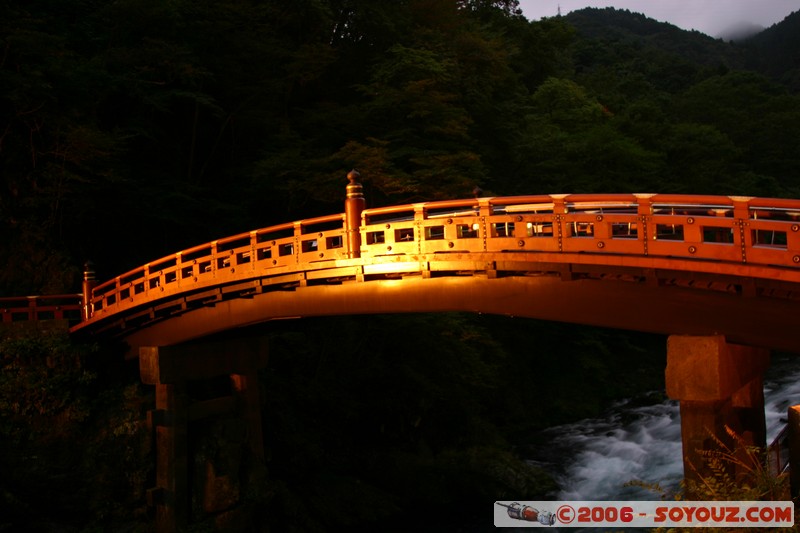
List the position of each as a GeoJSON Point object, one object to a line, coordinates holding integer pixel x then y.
{"type": "Point", "coordinates": [593, 459]}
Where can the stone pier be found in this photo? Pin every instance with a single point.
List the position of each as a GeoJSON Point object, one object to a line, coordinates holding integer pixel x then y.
{"type": "Point", "coordinates": [719, 385]}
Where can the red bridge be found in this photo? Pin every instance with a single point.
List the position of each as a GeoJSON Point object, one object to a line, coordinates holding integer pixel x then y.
{"type": "Point", "coordinates": [719, 275]}
{"type": "Point", "coordinates": [700, 265]}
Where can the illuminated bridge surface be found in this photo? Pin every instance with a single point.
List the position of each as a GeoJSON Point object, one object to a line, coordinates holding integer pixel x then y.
{"type": "Point", "coordinates": [669, 264]}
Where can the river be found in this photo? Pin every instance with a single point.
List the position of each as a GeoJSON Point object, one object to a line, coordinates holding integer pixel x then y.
{"type": "Point", "coordinates": [593, 459]}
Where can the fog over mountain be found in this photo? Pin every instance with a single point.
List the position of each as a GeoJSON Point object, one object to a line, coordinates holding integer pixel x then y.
{"type": "Point", "coordinates": [740, 31]}
{"type": "Point", "coordinates": [711, 17]}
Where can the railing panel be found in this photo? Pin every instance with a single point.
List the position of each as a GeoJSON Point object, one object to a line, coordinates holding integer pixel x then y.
{"type": "Point", "coordinates": [322, 246]}
{"type": "Point", "coordinates": [390, 238]}
{"type": "Point", "coordinates": [281, 253]}
{"type": "Point", "coordinates": [602, 233]}
{"type": "Point", "coordinates": [501, 232]}
{"type": "Point", "coordinates": [697, 237]}
{"type": "Point", "coordinates": [451, 234]}
{"type": "Point", "coordinates": [538, 233]}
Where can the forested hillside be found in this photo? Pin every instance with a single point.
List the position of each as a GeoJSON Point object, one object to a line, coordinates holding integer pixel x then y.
{"type": "Point", "coordinates": [135, 128]}
{"type": "Point", "coordinates": [774, 52]}
{"type": "Point", "coordinates": [132, 129]}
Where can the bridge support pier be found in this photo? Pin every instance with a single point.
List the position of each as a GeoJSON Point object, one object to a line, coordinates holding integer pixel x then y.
{"type": "Point", "coordinates": [719, 386]}
{"type": "Point", "coordinates": [203, 478]}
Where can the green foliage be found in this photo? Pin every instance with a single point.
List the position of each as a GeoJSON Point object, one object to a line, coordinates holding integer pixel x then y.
{"type": "Point", "coordinates": [416, 412]}
{"type": "Point", "coordinates": [572, 143]}
{"type": "Point", "coordinates": [42, 384]}
{"type": "Point", "coordinates": [765, 52]}
{"type": "Point", "coordinates": [564, 103]}
{"type": "Point", "coordinates": [75, 449]}
{"type": "Point", "coordinates": [702, 159]}
{"type": "Point", "coordinates": [737, 472]}
{"type": "Point", "coordinates": [733, 471]}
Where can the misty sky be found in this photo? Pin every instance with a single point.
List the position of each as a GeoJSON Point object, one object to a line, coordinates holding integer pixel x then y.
{"type": "Point", "coordinates": [708, 16]}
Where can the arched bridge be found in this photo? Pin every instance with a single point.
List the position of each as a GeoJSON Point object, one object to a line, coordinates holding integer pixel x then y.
{"type": "Point", "coordinates": [720, 275]}
{"type": "Point", "coordinates": [671, 264]}
{"type": "Point", "coordinates": [660, 263]}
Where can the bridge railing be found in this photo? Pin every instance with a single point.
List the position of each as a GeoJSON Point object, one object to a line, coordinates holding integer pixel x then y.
{"type": "Point", "coordinates": [31, 308]}
{"type": "Point", "coordinates": [719, 229]}
{"type": "Point", "coordinates": [279, 247]}
{"type": "Point", "coordinates": [698, 227]}
{"type": "Point", "coordinates": [778, 453]}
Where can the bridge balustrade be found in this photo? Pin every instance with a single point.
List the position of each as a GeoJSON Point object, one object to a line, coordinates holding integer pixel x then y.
{"type": "Point", "coordinates": [35, 308]}
{"type": "Point", "coordinates": [719, 229]}
{"type": "Point", "coordinates": [279, 248]}
{"type": "Point", "coordinates": [676, 226]}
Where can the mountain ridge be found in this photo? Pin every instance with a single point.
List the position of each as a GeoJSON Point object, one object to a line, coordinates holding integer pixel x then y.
{"type": "Point", "coordinates": [772, 52]}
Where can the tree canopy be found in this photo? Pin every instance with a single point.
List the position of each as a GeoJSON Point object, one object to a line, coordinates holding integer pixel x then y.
{"type": "Point", "coordinates": [132, 129]}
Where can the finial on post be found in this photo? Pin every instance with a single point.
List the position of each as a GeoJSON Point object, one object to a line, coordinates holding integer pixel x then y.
{"type": "Point", "coordinates": [353, 206]}
{"type": "Point", "coordinates": [354, 188]}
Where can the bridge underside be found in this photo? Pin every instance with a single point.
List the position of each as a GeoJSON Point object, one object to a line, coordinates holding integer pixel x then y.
{"type": "Point", "coordinates": [719, 339]}
{"type": "Point", "coordinates": [615, 303]}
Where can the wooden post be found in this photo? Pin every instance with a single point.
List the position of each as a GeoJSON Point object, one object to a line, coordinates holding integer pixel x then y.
{"type": "Point", "coordinates": [353, 206]}
{"type": "Point", "coordinates": [89, 282]}
{"type": "Point", "coordinates": [170, 497]}
{"type": "Point", "coordinates": [172, 470]}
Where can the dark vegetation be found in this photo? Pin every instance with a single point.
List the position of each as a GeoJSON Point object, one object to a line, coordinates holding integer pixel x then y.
{"type": "Point", "coordinates": [132, 129]}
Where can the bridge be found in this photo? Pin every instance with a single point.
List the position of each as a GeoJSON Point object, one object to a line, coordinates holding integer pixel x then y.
{"type": "Point", "coordinates": [718, 275]}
